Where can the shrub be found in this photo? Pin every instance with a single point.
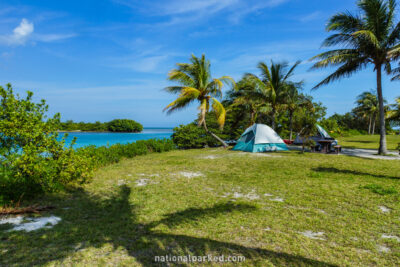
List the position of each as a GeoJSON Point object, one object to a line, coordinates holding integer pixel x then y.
{"type": "Point", "coordinates": [102, 156]}
{"type": "Point", "coordinates": [191, 136]}
{"type": "Point", "coordinates": [124, 125]}
{"type": "Point", "coordinates": [32, 160]}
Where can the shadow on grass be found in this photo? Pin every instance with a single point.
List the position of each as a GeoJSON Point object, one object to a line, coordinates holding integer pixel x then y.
{"type": "Point", "coordinates": [336, 170]}
{"type": "Point", "coordinates": [91, 222]}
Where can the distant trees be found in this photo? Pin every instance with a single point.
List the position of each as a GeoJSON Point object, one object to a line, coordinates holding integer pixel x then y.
{"type": "Point", "coordinates": [118, 125]}
{"type": "Point", "coordinates": [370, 37]}
{"type": "Point", "coordinates": [124, 125]}
{"type": "Point", "coordinates": [394, 113]}
{"type": "Point", "coordinates": [195, 83]}
{"type": "Point", "coordinates": [368, 108]}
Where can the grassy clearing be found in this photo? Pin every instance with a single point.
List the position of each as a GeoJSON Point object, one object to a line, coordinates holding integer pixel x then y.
{"type": "Point", "coordinates": [368, 141]}
{"type": "Point", "coordinates": [281, 209]}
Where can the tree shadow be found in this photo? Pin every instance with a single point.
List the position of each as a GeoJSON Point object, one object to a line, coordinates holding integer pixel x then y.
{"type": "Point", "coordinates": [93, 221]}
{"type": "Point", "coordinates": [336, 170]}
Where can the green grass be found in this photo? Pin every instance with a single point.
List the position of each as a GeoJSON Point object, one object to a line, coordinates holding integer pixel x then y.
{"type": "Point", "coordinates": [112, 222]}
{"type": "Point", "coordinates": [368, 141]}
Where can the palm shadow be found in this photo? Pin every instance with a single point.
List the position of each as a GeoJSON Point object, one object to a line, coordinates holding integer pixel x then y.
{"type": "Point", "coordinates": [336, 170]}
{"type": "Point", "coordinates": [93, 221]}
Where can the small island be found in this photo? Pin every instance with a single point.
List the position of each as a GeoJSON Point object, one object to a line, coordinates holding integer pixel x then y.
{"type": "Point", "coordinates": [117, 126]}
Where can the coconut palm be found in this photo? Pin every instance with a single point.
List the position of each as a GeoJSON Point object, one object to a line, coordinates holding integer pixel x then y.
{"type": "Point", "coordinates": [271, 87]}
{"type": "Point", "coordinates": [196, 84]}
{"type": "Point", "coordinates": [247, 97]}
{"type": "Point", "coordinates": [368, 38]}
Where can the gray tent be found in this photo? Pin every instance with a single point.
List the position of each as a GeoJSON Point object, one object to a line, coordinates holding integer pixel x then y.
{"type": "Point", "coordinates": [322, 135]}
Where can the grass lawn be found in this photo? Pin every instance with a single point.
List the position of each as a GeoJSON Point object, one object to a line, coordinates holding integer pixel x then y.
{"type": "Point", "coordinates": [368, 141]}
{"type": "Point", "coordinates": [280, 209]}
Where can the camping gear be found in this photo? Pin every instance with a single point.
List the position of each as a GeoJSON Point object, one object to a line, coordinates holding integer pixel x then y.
{"type": "Point", "coordinates": [260, 138]}
{"type": "Point", "coordinates": [319, 139]}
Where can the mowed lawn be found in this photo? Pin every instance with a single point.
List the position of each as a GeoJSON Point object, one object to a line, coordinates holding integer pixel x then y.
{"type": "Point", "coordinates": [278, 209]}
{"type": "Point", "coordinates": [368, 141]}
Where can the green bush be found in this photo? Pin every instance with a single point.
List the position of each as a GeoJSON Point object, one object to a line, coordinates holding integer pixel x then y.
{"type": "Point", "coordinates": [192, 136]}
{"type": "Point", "coordinates": [124, 125]}
{"type": "Point", "coordinates": [32, 160]}
{"type": "Point", "coordinates": [102, 156]}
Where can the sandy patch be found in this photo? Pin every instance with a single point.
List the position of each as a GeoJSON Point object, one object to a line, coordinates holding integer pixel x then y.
{"type": "Point", "coordinates": [121, 182]}
{"type": "Point", "coordinates": [313, 235]}
{"type": "Point", "coordinates": [12, 220]}
{"type": "Point", "coordinates": [384, 209]}
{"type": "Point", "coordinates": [33, 224]}
{"type": "Point", "coordinates": [251, 196]}
{"type": "Point", "coordinates": [385, 236]}
{"type": "Point", "coordinates": [383, 249]}
{"type": "Point", "coordinates": [277, 199]}
{"type": "Point", "coordinates": [142, 182]}
{"type": "Point", "coordinates": [191, 174]}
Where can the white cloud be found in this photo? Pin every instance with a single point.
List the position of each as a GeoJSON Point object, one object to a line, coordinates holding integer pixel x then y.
{"type": "Point", "coordinates": [20, 34]}
{"type": "Point", "coordinates": [310, 17]}
{"type": "Point", "coordinates": [183, 6]}
{"type": "Point", "coordinates": [25, 31]}
{"type": "Point", "coordinates": [52, 37]}
{"type": "Point", "coordinates": [183, 12]}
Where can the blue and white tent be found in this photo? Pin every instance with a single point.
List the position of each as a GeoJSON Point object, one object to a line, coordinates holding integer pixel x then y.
{"type": "Point", "coordinates": [260, 138]}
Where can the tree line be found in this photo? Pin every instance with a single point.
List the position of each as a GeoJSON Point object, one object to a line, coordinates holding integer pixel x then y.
{"type": "Point", "coordinates": [117, 125]}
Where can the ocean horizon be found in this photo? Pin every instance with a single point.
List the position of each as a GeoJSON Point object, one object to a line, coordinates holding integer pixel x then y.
{"type": "Point", "coordinates": [110, 138]}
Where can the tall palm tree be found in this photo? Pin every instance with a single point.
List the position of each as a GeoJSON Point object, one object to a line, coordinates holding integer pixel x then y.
{"type": "Point", "coordinates": [196, 84]}
{"type": "Point", "coordinates": [271, 87]}
{"type": "Point", "coordinates": [368, 38]}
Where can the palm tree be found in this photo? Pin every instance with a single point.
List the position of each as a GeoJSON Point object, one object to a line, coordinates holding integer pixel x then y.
{"type": "Point", "coordinates": [370, 37]}
{"type": "Point", "coordinates": [295, 101]}
{"type": "Point", "coordinates": [394, 112]}
{"type": "Point", "coordinates": [368, 107]}
{"type": "Point", "coordinates": [248, 98]}
{"type": "Point", "coordinates": [196, 84]}
{"type": "Point", "coordinates": [271, 87]}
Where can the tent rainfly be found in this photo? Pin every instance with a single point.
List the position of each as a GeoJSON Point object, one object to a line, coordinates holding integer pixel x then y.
{"type": "Point", "coordinates": [321, 135]}
{"type": "Point", "coordinates": [260, 138]}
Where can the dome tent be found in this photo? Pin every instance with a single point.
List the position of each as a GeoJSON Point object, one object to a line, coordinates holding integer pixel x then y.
{"type": "Point", "coordinates": [260, 138]}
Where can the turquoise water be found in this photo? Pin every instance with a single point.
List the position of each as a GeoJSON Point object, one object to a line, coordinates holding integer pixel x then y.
{"type": "Point", "coordinates": [104, 139]}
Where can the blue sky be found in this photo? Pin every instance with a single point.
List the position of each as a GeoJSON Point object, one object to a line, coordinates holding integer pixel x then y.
{"type": "Point", "coordinates": [106, 59]}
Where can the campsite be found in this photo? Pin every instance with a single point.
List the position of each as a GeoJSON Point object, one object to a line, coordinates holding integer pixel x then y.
{"type": "Point", "coordinates": [200, 133]}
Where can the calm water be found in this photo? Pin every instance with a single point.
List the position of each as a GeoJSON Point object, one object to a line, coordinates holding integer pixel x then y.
{"type": "Point", "coordinates": [103, 139]}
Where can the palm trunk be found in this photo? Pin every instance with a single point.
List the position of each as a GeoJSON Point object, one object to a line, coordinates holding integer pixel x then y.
{"type": "Point", "coordinates": [369, 127]}
{"type": "Point", "coordinates": [373, 125]}
{"type": "Point", "coordinates": [213, 135]}
{"type": "Point", "coordinates": [382, 141]}
{"type": "Point", "coordinates": [252, 120]}
{"type": "Point", "coordinates": [273, 119]}
{"type": "Point", "coordinates": [291, 126]}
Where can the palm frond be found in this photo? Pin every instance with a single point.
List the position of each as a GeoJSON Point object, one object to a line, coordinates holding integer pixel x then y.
{"type": "Point", "coordinates": [220, 112]}
{"type": "Point", "coordinates": [345, 70]}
